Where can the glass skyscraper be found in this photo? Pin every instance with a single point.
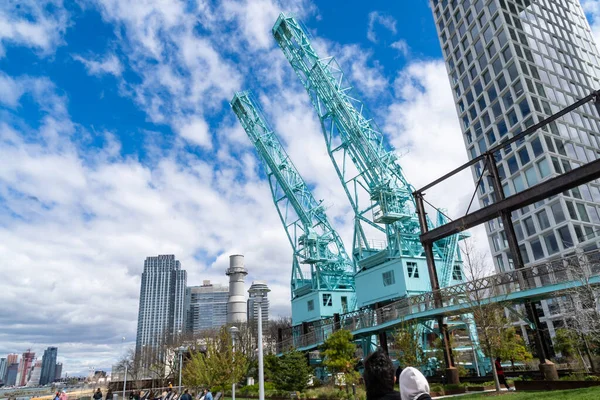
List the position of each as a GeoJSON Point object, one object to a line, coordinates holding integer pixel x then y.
{"type": "Point", "coordinates": [207, 307]}
{"type": "Point", "coordinates": [511, 64]}
{"type": "Point", "coordinates": [162, 298]}
{"type": "Point", "coordinates": [48, 371]}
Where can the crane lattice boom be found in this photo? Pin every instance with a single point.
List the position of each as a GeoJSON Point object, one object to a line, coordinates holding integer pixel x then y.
{"type": "Point", "coordinates": [308, 229]}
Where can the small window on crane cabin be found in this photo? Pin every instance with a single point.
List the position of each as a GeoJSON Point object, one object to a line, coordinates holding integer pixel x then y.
{"type": "Point", "coordinates": [311, 305]}
{"type": "Point", "coordinates": [327, 301]}
{"type": "Point", "coordinates": [457, 273]}
{"type": "Point", "coordinates": [388, 278]}
{"type": "Point", "coordinates": [413, 269]}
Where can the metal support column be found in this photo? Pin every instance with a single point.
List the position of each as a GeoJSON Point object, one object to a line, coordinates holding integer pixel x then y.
{"type": "Point", "coordinates": [451, 371]}
{"type": "Point", "coordinates": [383, 343]}
{"type": "Point", "coordinates": [515, 253]}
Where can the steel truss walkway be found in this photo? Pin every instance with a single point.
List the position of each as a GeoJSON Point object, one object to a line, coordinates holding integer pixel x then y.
{"type": "Point", "coordinates": [552, 278]}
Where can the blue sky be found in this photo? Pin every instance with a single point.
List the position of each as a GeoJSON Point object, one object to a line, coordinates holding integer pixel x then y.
{"type": "Point", "coordinates": [117, 142]}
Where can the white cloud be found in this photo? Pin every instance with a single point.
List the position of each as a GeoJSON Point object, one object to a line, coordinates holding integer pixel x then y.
{"type": "Point", "coordinates": [108, 65]}
{"type": "Point", "coordinates": [375, 18]}
{"type": "Point", "coordinates": [197, 132]}
{"type": "Point", "coordinates": [402, 47]}
{"type": "Point", "coordinates": [39, 24]}
{"type": "Point", "coordinates": [10, 91]}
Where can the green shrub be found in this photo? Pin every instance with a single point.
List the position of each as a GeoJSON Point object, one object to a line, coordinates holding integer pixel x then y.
{"type": "Point", "coordinates": [437, 388]}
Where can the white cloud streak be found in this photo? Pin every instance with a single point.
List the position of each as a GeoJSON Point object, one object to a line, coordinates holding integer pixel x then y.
{"type": "Point", "coordinates": [37, 24]}
{"type": "Point", "coordinates": [110, 64]}
{"type": "Point", "coordinates": [376, 18]}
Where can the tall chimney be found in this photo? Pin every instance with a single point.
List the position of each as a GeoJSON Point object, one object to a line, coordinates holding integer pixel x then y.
{"type": "Point", "coordinates": [236, 305]}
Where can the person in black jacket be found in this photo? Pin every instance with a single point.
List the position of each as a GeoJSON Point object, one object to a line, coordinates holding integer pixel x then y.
{"type": "Point", "coordinates": [379, 377]}
{"type": "Point", "coordinates": [98, 395]}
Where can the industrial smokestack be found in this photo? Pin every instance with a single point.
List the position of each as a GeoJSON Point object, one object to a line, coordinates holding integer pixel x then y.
{"type": "Point", "coordinates": [236, 305]}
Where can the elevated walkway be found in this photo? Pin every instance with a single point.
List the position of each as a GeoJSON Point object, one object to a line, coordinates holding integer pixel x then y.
{"type": "Point", "coordinates": [535, 282]}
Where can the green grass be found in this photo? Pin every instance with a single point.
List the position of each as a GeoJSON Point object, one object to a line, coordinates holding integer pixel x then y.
{"type": "Point", "coordinates": [575, 394]}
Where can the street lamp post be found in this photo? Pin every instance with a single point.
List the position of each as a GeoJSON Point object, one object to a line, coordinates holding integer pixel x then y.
{"type": "Point", "coordinates": [181, 350]}
{"type": "Point", "coordinates": [259, 294]}
{"type": "Point", "coordinates": [126, 365]}
{"type": "Point", "coordinates": [233, 330]}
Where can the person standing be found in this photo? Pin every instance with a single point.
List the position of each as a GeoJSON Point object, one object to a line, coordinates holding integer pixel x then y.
{"type": "Point", "coordinates": [207, 394]}
{"type": "Point", "coordinates": [379, 377]}
{"type": "Point", "coordinates": [98, 394]}
{"type": "Point", "coordinates": [413, 385]}
{"type": "Point", "coordinates": [500, 373]}
{"type": "Point", "coordinates": [63, 395]}
{"type": "Point", "coordinates": [109, 394]}
{"type": "Point", "coordinates": [186, 395]}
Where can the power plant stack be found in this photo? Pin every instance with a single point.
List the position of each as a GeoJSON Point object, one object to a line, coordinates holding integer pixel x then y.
{"type": "Point", "coordinates": [236, 305]}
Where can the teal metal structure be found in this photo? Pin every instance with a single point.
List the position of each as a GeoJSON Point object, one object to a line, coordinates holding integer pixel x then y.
{"type": "Point", "coordinates": [368, 169]}
{"type": "Point", "coordinates": [375, 185]}
{"type": "Point", "coordinates": [328, 288]}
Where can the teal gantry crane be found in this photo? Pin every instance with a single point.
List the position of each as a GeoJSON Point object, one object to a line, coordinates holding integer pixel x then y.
{"type": "Point", "coordinates": [329, 287]}
{"type": "Point", "coordinates": [372, 178]}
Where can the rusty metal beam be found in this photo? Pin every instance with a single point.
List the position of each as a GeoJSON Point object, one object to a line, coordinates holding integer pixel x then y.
{"type": "Point", "coordinates": [551, 187]}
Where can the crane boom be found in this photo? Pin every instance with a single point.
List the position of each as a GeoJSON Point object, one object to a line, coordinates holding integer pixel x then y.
{"type": "Point", "coordinates": [368, 169]}
{"type": "Point", "coordinates": [314, 241]}
{"type": "Point", "coordinates": [349, 130]}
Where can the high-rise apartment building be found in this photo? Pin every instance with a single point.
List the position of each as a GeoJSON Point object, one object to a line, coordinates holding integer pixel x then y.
{"type": "Point", "coordinates": [512, 64]}
{"type": "Point", "coordinates": [35, 374]}
{"type": "Point", "coordinates": [25, 367]}
{"type": "Point", "coordinates": [12, 359]}
{"type": "Point", "coordinates": [207, 307]}
{"type": "Point", "coordinates": [253, 306]}
{"type": "Point", "coordinates": [48, 370]}
{"type": "Point", "coordinates": [162, 296]}
{"type": "Point", "coordinates": [3, 367]}
{"type": "Point", "coordinates": [58, 371]}
{"type": "Point", "coordinates": [11, 374]}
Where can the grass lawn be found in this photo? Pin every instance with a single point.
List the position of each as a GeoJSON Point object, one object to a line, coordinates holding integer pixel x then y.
{"type": "Point", "coordinates": [575, 394]}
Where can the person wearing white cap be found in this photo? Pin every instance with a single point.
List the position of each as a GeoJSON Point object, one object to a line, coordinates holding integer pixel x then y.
{"type": "Point", "coordinates": [413, 385]}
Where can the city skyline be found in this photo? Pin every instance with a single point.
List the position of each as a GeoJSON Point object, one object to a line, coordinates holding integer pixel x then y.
{"type": "Point", "coordinates": [120, 144]}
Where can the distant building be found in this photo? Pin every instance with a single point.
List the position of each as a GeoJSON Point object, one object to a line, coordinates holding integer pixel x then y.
{"type": "Point", "coordinates": [12, 359]}
{"type": "Point", "coordinates": [3, 367]}
{"type": "Point", "coordinates": [207, 307]}
{"type": "Point", "coordinates": [162, 295]}
{"type": "Point", "coordinates": [48, 373]}
{"type": "Point", "coordinates": [25, 367]}
{"type": "Point", "coordinates": [11, 374]}
{"type": "Point", "coordinates": [35, 374]}
{"type": "Point", "coordinates": [58, 371]}
{"type": "Point", "coordinates": [253, 306]}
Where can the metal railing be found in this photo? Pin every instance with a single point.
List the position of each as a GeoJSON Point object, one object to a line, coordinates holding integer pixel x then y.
{"type": "Point", "coordinates": [555, 275]}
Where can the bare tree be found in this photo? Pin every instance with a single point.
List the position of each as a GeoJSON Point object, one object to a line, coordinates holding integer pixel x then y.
{"type": "Point", "coordinates": [582, 300]}
{"type": "Point", "coordinates": [131, 363]}
{"type": "Point", "coordinates": [488, 316]}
